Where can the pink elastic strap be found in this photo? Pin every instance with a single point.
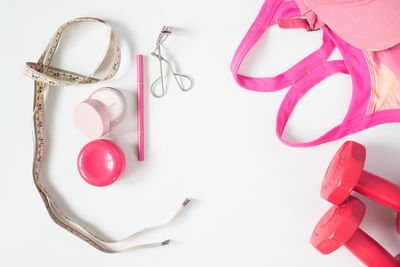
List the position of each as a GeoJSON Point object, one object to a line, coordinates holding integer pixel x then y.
{"type": "Point", "coordinates": [270, 11]}
{"type": "Point", "coordinates": [296, 92]}
{"type": "Point", "coordinates": [301, 77]}
{"type": "Point", "coordinates": [268, 15]}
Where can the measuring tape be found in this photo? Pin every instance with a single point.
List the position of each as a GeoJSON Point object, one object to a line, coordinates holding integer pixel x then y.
{"type": "Point", "coordinates": [43, 75]}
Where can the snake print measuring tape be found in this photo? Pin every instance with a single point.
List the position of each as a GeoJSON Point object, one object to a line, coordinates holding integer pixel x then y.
{"type": "Point", "coordinates": [44, 75]}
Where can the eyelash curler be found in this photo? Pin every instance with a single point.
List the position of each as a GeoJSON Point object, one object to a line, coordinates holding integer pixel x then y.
{"type": "Point", "coordinates": [165, 32]}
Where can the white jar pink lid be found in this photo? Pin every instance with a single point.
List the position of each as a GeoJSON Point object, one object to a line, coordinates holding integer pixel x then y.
{"type": "Point", "coordinates": [104, 108]}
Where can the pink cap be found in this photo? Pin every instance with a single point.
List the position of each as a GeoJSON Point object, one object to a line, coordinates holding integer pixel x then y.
{"type": "Point", "coordinates": [104, 108]}
{"type": "Point", "coordinates": [366, 24]}
{"type": "Point", "coordinates": [91, 118]}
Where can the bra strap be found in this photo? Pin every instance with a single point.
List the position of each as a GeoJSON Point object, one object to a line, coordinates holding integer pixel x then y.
{"type": "Point", "coordinates": [271, 11]}
{"type": "Point", "coordinates": [296, 92]}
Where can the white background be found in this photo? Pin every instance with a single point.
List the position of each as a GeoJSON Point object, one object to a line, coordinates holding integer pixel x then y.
{"type": "Point", "coordinates": [255, 201]}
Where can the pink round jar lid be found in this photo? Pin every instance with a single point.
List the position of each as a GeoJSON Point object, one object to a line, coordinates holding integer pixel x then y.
{"type": "Point", "coordinates": [101, 162]}
{"type": "Point", "coordinates": [91, 118]}
{"type": "Point", "coordinates": [104, 107]}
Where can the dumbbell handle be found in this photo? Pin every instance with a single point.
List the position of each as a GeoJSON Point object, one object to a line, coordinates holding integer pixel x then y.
{"type": "Point", "coordinates": [367, 250]}
{"type": "Point", "coordinates": [379, 189]}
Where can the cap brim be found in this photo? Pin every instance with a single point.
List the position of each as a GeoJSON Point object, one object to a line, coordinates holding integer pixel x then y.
{"type": "Point", "coordinates": [369, 25]}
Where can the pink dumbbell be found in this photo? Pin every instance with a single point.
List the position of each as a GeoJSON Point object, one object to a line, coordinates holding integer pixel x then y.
{"type": "Point", "coordinates": [345, 174]}
{"type": "Point", "coordinates": [340, 226]}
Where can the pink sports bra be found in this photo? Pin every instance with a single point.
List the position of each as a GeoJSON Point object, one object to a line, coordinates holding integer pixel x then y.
{"type": "Point", "coordinates": [375, 75]}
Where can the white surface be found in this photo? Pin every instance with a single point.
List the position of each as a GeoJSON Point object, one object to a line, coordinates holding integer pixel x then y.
{"type": "Point", "coordinates": [255, 201]}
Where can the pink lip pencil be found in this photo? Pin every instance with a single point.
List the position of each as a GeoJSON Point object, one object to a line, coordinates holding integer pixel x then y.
{"type": "Point", "coordinates": [140, 128]}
